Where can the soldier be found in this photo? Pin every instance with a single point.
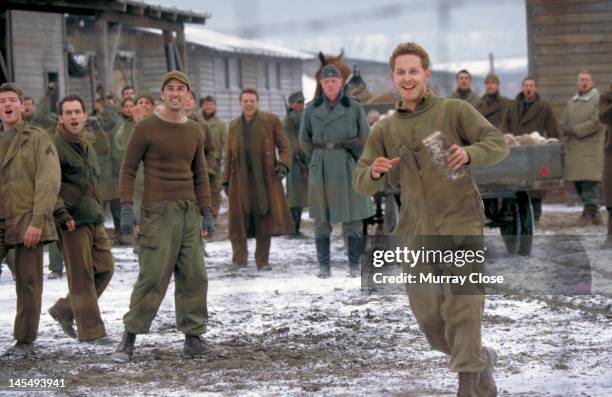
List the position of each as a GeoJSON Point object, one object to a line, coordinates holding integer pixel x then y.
{"type": "Point", "coordinates": [29, 185]}
{"type": "Point", "coordinates": [584, 142]}
{"type": "Point", "coordinates": [464, 90]}
{"type": "Point", "coordinates": [79, 217]}
{"type": "Point", "coordinates": [333, 131]}
{"type": "Point", "coordinates": [297, 179]}
{"type": "Point", "coordinates": [128, 92]}
{"type": "Point", "coordinates": [438, 206]}
{"type": "Point", "coordinates": [526, 114]}
{"type": "Point", "coordinates": [492, 104]}
{"type": "Point", "coordinates": [257, 205]}
{"type": "Point", "coordinates": [175, 216]}
{"type": "Point", "coordinates": [218, 134]}
{"type": "Point", "coordinates": [209, 144]}
{"type": "Point", "coordinates": [605, 116]}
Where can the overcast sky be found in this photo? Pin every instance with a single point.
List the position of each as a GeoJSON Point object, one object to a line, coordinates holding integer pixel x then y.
{"type": "Point", "coordinates": [451, 30]}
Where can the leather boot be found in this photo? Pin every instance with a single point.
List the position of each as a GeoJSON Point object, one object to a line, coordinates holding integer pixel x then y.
{"type": "Point", "coordinates": [595, 217]}
{"type": "Point", "coordinates": [195, 346]}
{"type": "Point", "coordinates": [323, 255]}
{"type": "Point", "coordinates": [486, 384]}
{"type": "Point", "coordinates": [608, 242]}
{"type": "Point", "coordinates": [125, 350]}
{"type": "Point", "coordinates": [585, 218]}
{"type": "Point", "coordinates": [354, 256]}
{"type": "Point", "coordinates": [21, 349]}
{"type": "Point", "coordinates": [468, 384]}
{"type": "Point", "coordinates": [67, 324]}
{"type": "Point", "coordinates": [296, 215]}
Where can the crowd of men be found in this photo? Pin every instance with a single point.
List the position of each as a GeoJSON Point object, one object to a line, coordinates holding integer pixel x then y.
{"type": "Point", "coordinates": [160, 167]}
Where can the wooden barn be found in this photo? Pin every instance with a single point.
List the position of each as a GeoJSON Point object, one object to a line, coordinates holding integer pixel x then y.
{"type": "Point", "coordinates": [565, 37]}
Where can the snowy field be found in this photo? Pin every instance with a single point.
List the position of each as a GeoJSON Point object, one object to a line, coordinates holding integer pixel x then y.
{"type": "Point", "coordinates": [288, 333]}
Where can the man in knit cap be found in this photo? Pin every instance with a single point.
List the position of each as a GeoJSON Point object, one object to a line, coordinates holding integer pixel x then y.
{"type": "Point", "coordinates": [492, 105]}
{"type": "Point", "coordinates": [176, 213]}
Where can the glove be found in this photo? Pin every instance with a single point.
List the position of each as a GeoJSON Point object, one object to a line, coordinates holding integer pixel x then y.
{"type": "Point", "coordinates": [127, 219]}
{"type": "Point", "coordinates": [281, 171]}
{"type": "Point", "coordinates": [208, 222]}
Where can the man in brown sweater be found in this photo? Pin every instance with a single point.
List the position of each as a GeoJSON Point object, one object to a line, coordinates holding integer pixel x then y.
{"type": "Point", "coordinates": [176, 198]}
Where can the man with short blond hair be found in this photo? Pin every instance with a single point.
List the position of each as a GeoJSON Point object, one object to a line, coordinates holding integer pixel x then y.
{"type": "Point", "coordinates": [441, 212]}
{"type": "Point", "coordinates": [584, 137]}
{"type": "Point", "coordinates": [29, 184]}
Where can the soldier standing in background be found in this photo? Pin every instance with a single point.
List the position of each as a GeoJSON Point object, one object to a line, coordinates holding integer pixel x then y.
{"type": "Point", "coordinates": [297, 179]}
{"type": "Point", "coordinates": [218, 134]}
{"type": "Point", "coordinates": [30, 175]}
{"type": "Point", "coordinates": [492, 105]}
{"type": "Point", "coordinates": [584, 138]}
{"type": "Point", "coordinates": [79, 217]}
{"type": "Point", "coordinates": [332, 134]}
{"type": "Point", "coordinates": [464, 89]}
{"type": "Point", "coordinates": [257, 206]}
{"type": "Point", "coordinates": [526, 114]}
{"type": "Point", "coordinates": [605, 116]}
{"type": "Point", "coordinates": [175, 216]}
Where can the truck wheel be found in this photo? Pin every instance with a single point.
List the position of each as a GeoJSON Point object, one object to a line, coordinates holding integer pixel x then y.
{"type": "Point", "coordinates": [511, 230]}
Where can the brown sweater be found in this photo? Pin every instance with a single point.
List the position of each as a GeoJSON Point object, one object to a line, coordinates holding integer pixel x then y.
{"type": "Point", "coordinates": [174, 162]}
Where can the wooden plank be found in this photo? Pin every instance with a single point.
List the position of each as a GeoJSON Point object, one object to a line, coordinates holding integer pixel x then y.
{"type": "Point", "coordinates": [564, 49]}
{"type": "Point", "coordinates": [140, 21]}
{"type": "Point", "coordinates": [531, 47]}
{"type": "Point", "coordinates": [582, 18]}
{"type": "Point", "coordinates": [571, 69]}
{"type": "Point", "coordinates": [583, 60]}
{"type": "Point", "coordinates": [573, 28]}
{"type": "Point", "coordinates": [571, 38]}
{"type": "Point", "coordinates": [565, 8]}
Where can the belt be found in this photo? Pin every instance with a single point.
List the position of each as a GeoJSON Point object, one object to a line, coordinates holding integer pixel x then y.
{"type": "Point", "coordinates": [328, 145]}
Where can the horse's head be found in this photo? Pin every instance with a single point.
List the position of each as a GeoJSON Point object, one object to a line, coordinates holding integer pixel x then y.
{"type": "Point", "coordinates": [345, 70]}
{"type": "Point", "coordinates": [355, 84]}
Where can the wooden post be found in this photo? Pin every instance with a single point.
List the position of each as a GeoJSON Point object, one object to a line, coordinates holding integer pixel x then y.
{"type": "Point", "coordinates": [181, 47]}
{"type": "Point", "coordinates": [169, 47]}
{"type": "Point", "coordinates": [102, 74]}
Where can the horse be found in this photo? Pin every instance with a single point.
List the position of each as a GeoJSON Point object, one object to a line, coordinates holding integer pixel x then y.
{"type": "Point", "coordinates": [345, 70]}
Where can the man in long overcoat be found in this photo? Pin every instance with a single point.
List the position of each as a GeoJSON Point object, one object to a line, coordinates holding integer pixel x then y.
{"type": "Point", "coordinates": [252, 181]}
{"type": "Point", "coordinates": [333, 131]}
{"type": "Point", "coordinates": [584, 139]}
{"type": "Point", "coordinates": [605, 116]}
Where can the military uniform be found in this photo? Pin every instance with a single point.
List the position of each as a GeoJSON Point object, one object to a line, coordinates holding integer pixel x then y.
{"type": "Point", "coordinates": [493, 107]}
{"type": "Point", "coordinates": [584, 153]}
{"type": "Point", "coordinates": [297, 178]}
{"type": "Point", "coordinates": [332, 138]}
{"type": "Point", "coordinates": [437, 206]}
{"type": "Point", "coordinates": [466, 95]}
{"type": "Point", "coordinates": [257, 206]}
{"type": "Point", "coordinates": [86, 249]}
{"type": "Point", "coordinates": [29, 184]}
{"type": "Point", "coordinates": [218, 136]}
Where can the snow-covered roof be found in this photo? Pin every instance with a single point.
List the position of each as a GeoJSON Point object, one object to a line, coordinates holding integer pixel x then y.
{"type": "Point", "coordinates": [481, 67]}
{"type": "Point", "coordinates": [197, 34]}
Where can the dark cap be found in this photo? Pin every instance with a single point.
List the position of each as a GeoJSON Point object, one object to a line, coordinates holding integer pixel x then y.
{"type": "Point", "coordinates": [492, 76]}
{"type": "Point", "coordinates": [330, 70]}
{"type": "Point", "coordinates": [296, 97]}
{"type": "Point", "coordinates": [177, 75]}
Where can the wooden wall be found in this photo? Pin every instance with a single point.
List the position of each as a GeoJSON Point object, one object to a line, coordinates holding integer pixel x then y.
{"type": "Point", "coordinates": [565, 37]}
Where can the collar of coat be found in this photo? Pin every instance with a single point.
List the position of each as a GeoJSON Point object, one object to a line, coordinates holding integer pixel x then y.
{"type": "Point", "coordinates": [344, 101]}
{"type": "Point", "coordinates": [520, 98]}
{"type": "Point", "coordinates": [587, 96]}
{"type": "Point", "coordinates": [425, 103]}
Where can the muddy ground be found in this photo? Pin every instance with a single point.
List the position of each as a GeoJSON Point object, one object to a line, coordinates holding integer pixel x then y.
{"type": "Point", "coordinates": [288, 333]}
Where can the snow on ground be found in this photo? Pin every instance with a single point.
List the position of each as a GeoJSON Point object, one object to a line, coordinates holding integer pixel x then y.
{"type": "Point", "coordinates": [288, 333]}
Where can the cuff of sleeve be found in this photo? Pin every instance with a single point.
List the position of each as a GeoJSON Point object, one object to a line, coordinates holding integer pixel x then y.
{"type": "Point", "coordinates": [38, 221]}
{"type": "Point", "coordinates": [473, 153]}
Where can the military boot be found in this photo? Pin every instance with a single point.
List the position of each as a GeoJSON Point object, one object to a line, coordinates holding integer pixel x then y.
{"type": "Point", "coordinates": [67, 324]}
{"type": "Point", "coordinates": [196, 346]}
{"type": "Point", "coordinates": [21, 349]}
{"type": "Point", "coordinates": [354, 255]}
{"type": "Point", "coordinates": [296, 215]}
{"type": "Point", "coordinates": [486, 384]}
{"type": "Point", "coordinates": [595, 216]}
{"type": "Point", "coordinates": [585, 218]}
{"type": "Point", "coordinates": [323, 255]}
{"type": "Point", "coordinates": [608, 242]}
{"type": "Point", "coordinates": [125, 350]}
{"type": "Point", "coordinates": [468, 383]}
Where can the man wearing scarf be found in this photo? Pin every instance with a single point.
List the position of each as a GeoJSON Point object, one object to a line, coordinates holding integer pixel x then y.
{"type": "Point", "coordinates": [79, 217]}
{"type": "Point", "coordinates": [252, 181]}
